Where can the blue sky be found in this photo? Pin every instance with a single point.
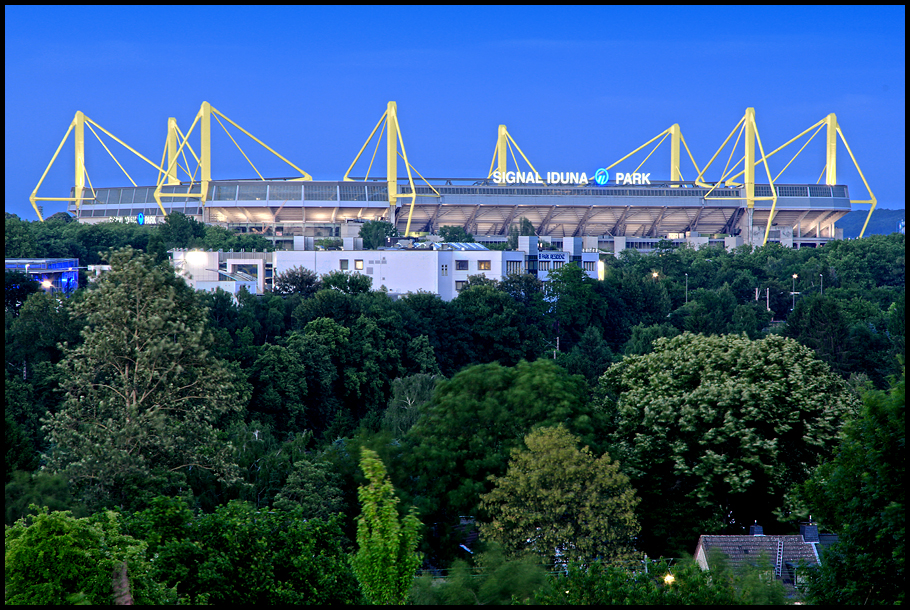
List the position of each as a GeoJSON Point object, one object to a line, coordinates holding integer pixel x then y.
{"type": "Point", "coordinates": [578, 87]}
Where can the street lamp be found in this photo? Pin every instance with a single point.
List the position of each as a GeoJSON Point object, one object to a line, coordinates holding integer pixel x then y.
{"type": "Point", "coordinates": [822, 278]}
{"type": "Point", "coordinates": [687, 288]}
{"type": "Point", "coordinates": [793, 292]}
{"type": "Point", "coordinates": [654, 275]}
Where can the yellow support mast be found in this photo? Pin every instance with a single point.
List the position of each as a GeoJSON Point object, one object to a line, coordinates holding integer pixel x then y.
{"type": "Point", "coordinates": [389, 121]}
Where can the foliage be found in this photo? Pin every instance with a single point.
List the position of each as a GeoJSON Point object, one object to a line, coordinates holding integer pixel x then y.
{"type": "Point", "coordinates": [313, 486]}
{"type": "Point", "coordinates": [590, 357]}
{"type": "Point", "coordinates": [752, 580]}
{"type": "Point", "coordinates": [561, 503]}
{"type": "Point", "coordinates": [524, 227]}
{"type": "Point", "coordinates": [409, 394]}
{"type": "Point", "coordinates": [348, 283]}
{"type": "Point", "coordinates": [20, 453]}
{"type": "Point", "coordinates": [297, 280]}
{"type": "Point", "coordinates": [142, 393]}
{"type": "Point", "coordinates": [375, 232]}
{"type": "Point", "coordinates": [18, 287]}
{"type": "Point", "coordinates": [499, 330]}
{"type": "Point", "coordinates": [602, 584]}
{"type": "Point", "coordinates": [33, 489]}
{"type": "Point", "coordinates": [455, 234]}
{"type": "Point", "coordinates": [50, 556]}
{"type": "Point", "coordinates": [860, 495]}
{"type": "Point", "coordinates": [18, 242]}
{"type": "Point", "coordinates": [387, 557]}
{"type": "Point", "coordinates": [468, 429]}
{"type": "Point", "coordinates": [713, 430]}
{"type": "Point", "coordinates": [643, 336]}
{"type": "Point", "coordinates": [240, 555]}
{"type": "Point", "coordinates": [495, 579]}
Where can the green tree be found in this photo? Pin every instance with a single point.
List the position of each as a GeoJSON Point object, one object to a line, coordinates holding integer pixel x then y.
{"type": "Point", "coordinates": [18, 288]}
{"type": "Point", "coordinates": [409, 394]}
{"type": "Point", "coordinates": [348, 283]}
{"type": "Point", "coordinates": [499, 332]}
{"type": "Point", "coordinates": [466, 433]}
{"type": "Point", "coordinates": [278, 377]}
{"type": "Point", "coordinates": [375, 232]}
{"type": "Point", "coordinates": [560, 502]}
{"type": "Point", "coordinates": [643, 336]}
{"type": "Point", "coordinates": [590, 357]}
{"type": "Point", "coordinates": [297, 280]}
{"type": "Point", "coordinates": [523, 228]}
{"type": "Point", "coordinates": [52, 556]}
{"type": "Point", "coordinates": [313, 486]}
{"type": "Point", "coordinates": [241, 555]}
{"type": "Point", "coordinates": [495, 579]}
{"type": "Point", "coordinates": [819, 323]}
{"type": "Point", "coordinates": [600, 583]}
{"type": "Point", "coordinates": [860, 495]}
{"type": "Point", "coordinates": [142, 392]}
{"type": "Point", "coordinates": [18, 240]}
{"type": "Point", "coordinates": [455, 234]}
{"type": "Point", "coordinates": [713, 430]}
{"type": "Point", "coordinates": [386, 559]}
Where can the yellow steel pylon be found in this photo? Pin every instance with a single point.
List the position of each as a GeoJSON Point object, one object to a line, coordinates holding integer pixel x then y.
{"type": "Point", "coordinates": [389, 120]}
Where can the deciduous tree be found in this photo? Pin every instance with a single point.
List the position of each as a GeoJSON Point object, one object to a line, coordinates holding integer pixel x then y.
{"type": "Point", "coordinates": [713, 430]}
{"type": "Point", "coordinates": [860, 495]}
{"type": "Point", "coordinates": [386, 559]}
{"type": "Point", "coordinates": [561, 503]}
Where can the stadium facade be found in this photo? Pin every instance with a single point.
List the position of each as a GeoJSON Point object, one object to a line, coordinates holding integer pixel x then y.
{"type": "Point", "coordinates": [612, 207]}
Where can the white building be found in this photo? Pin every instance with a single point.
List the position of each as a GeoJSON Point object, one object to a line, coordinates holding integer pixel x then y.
{"type": "Point", "coordinates": [443, 269]}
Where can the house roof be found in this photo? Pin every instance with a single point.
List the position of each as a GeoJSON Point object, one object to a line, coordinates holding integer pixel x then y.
{"type": "Point", "coordinates": [742, 549]}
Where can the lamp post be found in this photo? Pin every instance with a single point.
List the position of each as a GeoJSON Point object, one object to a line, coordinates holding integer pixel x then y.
{"type": "Point", "coordinates": [654, 275]}
{"type": "Point", "coordinates": [687, 288]}
{"type": "Point", "coordinates": [822, 278]}
{"type": "Point", "coordinates": [793, 292]}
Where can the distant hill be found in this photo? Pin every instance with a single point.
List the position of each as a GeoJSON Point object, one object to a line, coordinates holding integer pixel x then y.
{"type": "Point", "coordinates": [883, 222]}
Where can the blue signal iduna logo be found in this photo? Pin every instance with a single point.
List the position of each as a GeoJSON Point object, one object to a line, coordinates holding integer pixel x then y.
{"type": "Point", "coordinates": [601, 176]}
{"type": "Point", "coordinates": [140, 218]}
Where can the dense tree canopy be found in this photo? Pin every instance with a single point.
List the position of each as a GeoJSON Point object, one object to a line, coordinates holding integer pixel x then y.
{"type": "Point", "coordinates": [713, 430]}
{"type": "Point", "coordinates": [466, 432]}
{"type": "Point", "coordinates": [251, 412]}
{"type": "Point", "coordinates": [860, 495]}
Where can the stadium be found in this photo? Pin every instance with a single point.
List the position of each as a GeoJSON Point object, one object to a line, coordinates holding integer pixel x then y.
{"type": "Point", "coordinates": [612, 207]}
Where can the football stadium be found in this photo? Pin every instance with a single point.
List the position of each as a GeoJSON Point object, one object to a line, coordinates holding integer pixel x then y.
{"type": "Point", "coordinates": [617, 206]}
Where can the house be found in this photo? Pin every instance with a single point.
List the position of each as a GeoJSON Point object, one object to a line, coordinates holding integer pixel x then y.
{"type": "Point", "coordinates": [785, 552]}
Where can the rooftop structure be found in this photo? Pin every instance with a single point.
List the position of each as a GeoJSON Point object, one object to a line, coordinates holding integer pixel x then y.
{"type": "Point", "coordinates": [54, 274]}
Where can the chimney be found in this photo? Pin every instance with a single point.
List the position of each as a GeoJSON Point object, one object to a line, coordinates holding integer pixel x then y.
{"type": "Point", "coordinates": [809, 531]}
{"type": "Point", "coordinates": [756, 530]}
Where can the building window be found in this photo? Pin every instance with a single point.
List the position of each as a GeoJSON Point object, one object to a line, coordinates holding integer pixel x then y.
{"type": "Point", "coordinates": [483, 265]}
{"type": "Point", "coordinates": [513, 266]}
{"type": "Point", "coordinates": [590, 265]}
{"type": "Point", "coordinates": [544, 265]}
{"type": "Point", "coordinates": [461, 265]}
{"type": "Point", "coordinates": [558, 264]}
{"type": "Point", "coordinates": [358, 264]}
{"type": "Point", "coordinates": [459, 285]}
{"type": "Point", "coordinates": [343, 264]}
{"type": "Point", "coordinates": [445, 270]}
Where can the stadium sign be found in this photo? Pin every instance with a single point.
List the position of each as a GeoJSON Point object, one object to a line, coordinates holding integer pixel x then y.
{"type": "Point", "coordinates": [601, 177]}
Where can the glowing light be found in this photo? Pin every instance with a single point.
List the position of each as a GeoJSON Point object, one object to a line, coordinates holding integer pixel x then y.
{"type": "Point", "coordinates": [46, 283]}
{"type": "Point", "coordinates": [669, 579]}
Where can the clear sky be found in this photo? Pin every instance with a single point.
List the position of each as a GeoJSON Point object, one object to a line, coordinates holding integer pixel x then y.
{"type": "Point", "coordinates": [578, 87]}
